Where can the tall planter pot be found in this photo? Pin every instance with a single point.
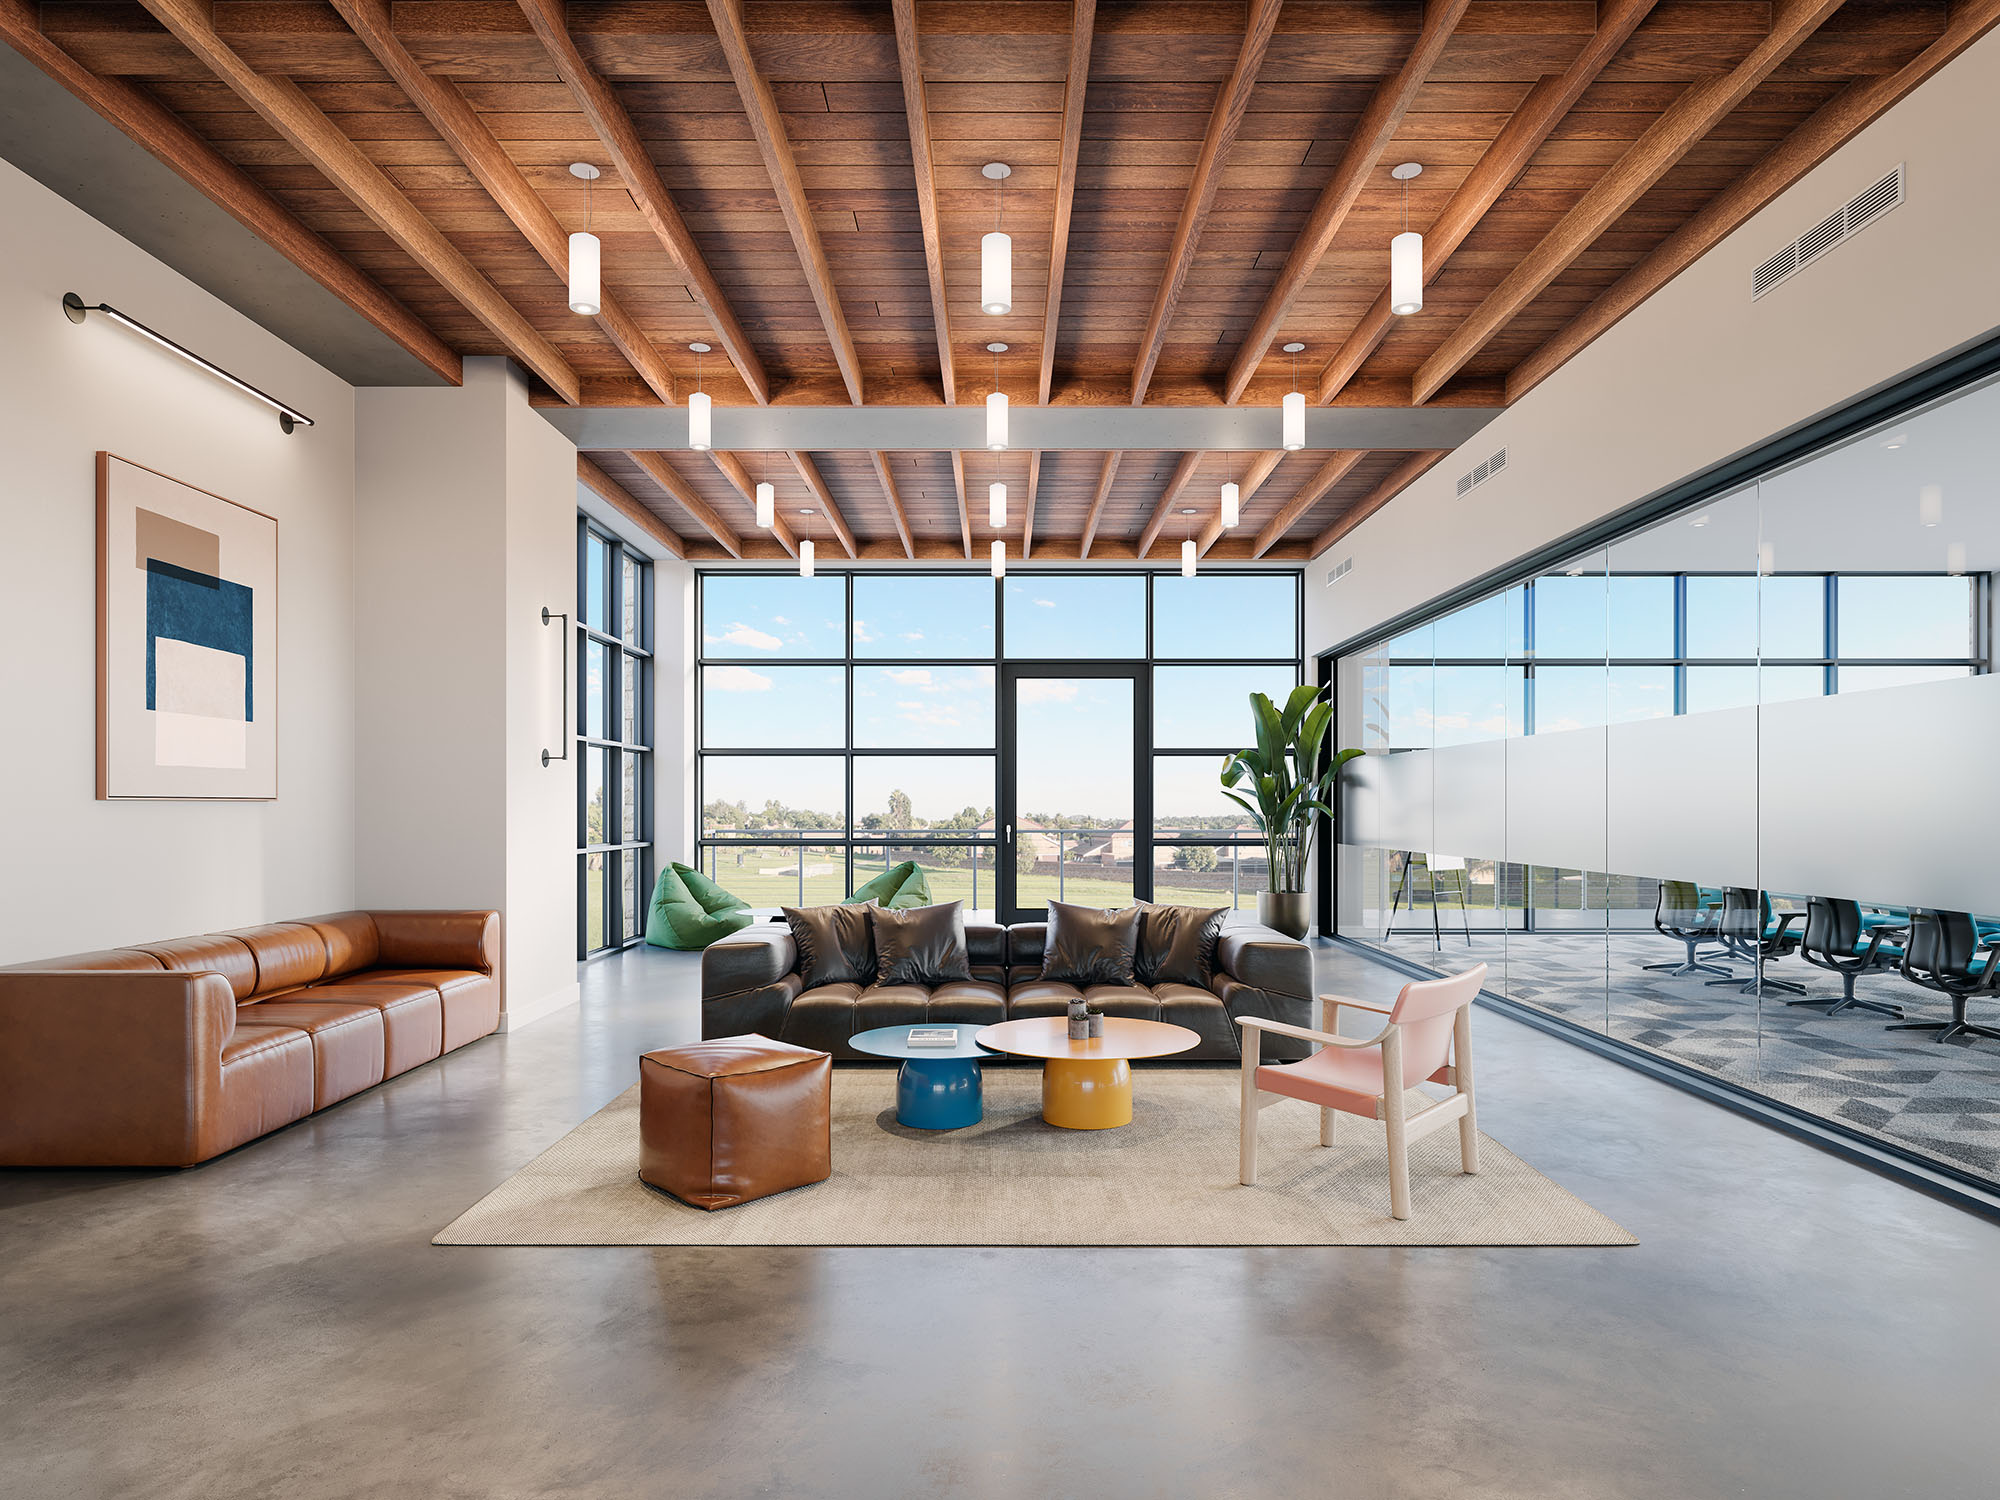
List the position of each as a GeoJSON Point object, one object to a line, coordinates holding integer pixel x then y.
{"type": "Point", "coordinates": [1288, 911]}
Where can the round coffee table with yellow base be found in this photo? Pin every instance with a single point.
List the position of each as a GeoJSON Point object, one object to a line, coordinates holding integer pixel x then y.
{"type": "Point", "coordinates": [1086, 1085]}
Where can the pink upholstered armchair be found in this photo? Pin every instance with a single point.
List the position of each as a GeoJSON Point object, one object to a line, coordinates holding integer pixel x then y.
{"type": "Point", "coordinates": [1428, 1038]}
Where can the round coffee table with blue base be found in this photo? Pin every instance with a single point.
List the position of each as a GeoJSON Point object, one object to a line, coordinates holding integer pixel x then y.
{"type": "Point", "coordinates": [937, 1088]}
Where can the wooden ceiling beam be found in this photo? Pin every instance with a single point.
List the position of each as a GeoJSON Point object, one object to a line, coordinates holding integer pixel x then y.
{"type": "Point", "coordinates": [1253, 479]}
{"type": "Point", "coordinates": [1105, 477]}
{"type": "Point", "coordinates": [462, 129]}
{"type": "Point", "coordinates": [150, 124]}
{"type": "Point", "coordinates": [1400, 478]}
{"type": "Point", "coordinates": [1547, 103]}
{"type": "Point", "coordinates": [1337, 467]}
{"type": "Point", "coordinates": [1223, 122]}
{"type": "Point", "coordinates": [934, 550]}
{"type": "Point", "coordinates": [634, 165]}
{"type": "Point", "coordinates": [910, 60]}
{"type": "Point", "coordinates": [1805, 148]}
{"type": "Point", "coordinates": [964, 510]}
{"type": "Point", "coordinates": [688, 499]}
{"type": "Point", "coordinates": [1083, 27]}
{"type": "Point", "coordinates": [768, 125]}
{"type": "Point", "coordinates": [816, 482]}
{"type": "Point", "coordinates": [1372, 133]}
{"type": "Point", "coordinates": [620, 499]}
{"type": "Point", "coordinates": [894, 497]}
{"type": "Point", "coordinates": [288, 111]}
{"type": "Point", "coordinates": [1690, 118]}
{"type": "Point", "coordinates": [1163, 507]}
{"type": "Point", "coordinates": [1028, 510]}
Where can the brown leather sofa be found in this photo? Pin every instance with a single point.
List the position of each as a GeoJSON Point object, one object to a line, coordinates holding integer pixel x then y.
{"type": "Point", "coordinates": [750, 983]}
{"type": "Point", "coordinates": [166, 1054]}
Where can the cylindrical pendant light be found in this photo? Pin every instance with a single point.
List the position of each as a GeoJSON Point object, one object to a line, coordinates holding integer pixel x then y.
{"type": "Point", "coordinates": [586, 255]}
{"type": "Point", "coordinates": [1406, 254]}
{"type": "Point", "coordinates": [698, 435]}
{"type": "Point", "coordinates": [1187, 558]}
{"type": "Point", "coordinates": [806, 558]}
{"type": "Point", "coordinates": [1231, 504]}
{"type": "Point", "coordinates": [996, 252]}
{"type": "Point", "coordinates": [1954, 559]}
{"type": "Point", "coordinates": [999, 558]}
{"type": "Point", "coordinates": [1930, 504]}
{"type": "Point", "coordinates": [996, 505]}
{"type": "Point", "coordinates": [996, 421]}
{"type": "Point", "coordinates": [1295, 406]}
{"type": "Point", "coordinates": [767, 503]}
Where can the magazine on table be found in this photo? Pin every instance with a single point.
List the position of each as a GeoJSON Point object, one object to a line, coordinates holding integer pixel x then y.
{"type": "Point", "coordinates": [934, 1036]}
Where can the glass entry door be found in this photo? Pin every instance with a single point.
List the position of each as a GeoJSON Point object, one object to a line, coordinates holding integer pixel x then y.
{"type": "Point", "coordinates": [1075, 803]}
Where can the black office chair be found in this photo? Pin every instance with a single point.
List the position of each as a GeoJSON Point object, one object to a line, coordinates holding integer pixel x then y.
{"type": "Point", "coordinates": [1679, 914]}
{"type": "Point", "coordinates": [1944, 952]}
{"type": "Point", "coordinates": [1835, 941]}
{"type": "Point", "coordinates": [1747, 931]}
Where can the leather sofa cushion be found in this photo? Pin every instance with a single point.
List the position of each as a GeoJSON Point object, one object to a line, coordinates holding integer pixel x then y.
{"type": "Point", "coordinates": [288, 954]}
{"type": "Point", "coordinates": [471, 999]}
{"type": "Point", "coordinates": [437, 939]}
{"type": "Point", "coordinates": [1088, 945]}
{"type": "Point", "coordinates": [836, 943]}
{"type": "Point", "coordinates": [1177, 943]}
{"type": "Point", "coordinates": [222, 955]}
{"type": "Point", "coordinates": [412, 1016]}
{"type": "Point", "coordinates": [267, 1082]}
{"type": "Point", "coordinates": [347, 1042]}
{"type": "Point", "coordinates": [1027, 942]}
{"type": "Point", "coordinates": [1133, 1000]}
{"type": "Point", "coordinates": [1200, 1012]}
{"type": "Point", "coordinates": [351, 941]}
{"type": "Point", "coordinates": [923, 946]}
{"type": "Point", "coordinates": [986, 944]}
{"type": "Point", "coordinates": [109, 960]}
{"type": "Point", "coordinates": [1040, 997]}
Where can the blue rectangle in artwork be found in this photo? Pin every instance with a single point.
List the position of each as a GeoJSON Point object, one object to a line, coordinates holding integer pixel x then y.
{"type": "Point", "coordinates": [184, 605]}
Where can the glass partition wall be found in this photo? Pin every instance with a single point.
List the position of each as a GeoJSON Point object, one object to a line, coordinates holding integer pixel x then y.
{"type": "Point", "coordinates": [614, 737]}
{"type": "Point", "coordinates": [1052, 736]}
{"type": "Point", "coordinates": [1712, 790]}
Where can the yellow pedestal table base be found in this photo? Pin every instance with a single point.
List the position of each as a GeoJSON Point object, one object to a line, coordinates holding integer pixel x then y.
{"type": "Point", "coordinates": [1093, 1093]}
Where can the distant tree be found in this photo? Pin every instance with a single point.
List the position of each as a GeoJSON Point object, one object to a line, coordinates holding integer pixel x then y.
{"type": "Point", "coordinates": [901, 814]}
{"type": "Point", "coordinates": [1024, 858]}
{"type": "Point", "coordinates": [1199, 857]}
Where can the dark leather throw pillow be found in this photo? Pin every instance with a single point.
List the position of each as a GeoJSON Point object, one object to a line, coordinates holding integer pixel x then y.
{"type": "Point", "coordinates": [1177, 943]}
{"type": "Point", "coordinates": [922, 945]}
{"type": "Point", "coordinates": [836, 943]}
{"type": "Point", "coordinates": [1088, 945]}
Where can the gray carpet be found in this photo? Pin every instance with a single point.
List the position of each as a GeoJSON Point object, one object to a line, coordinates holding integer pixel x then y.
{"type": "Point", "coordinates": [1168, 1178]}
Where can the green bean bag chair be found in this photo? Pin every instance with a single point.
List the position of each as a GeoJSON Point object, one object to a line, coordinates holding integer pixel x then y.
{"type": "Point", "coordinates": [692, 911]}
{"type": "Point", "coordinates": [897, 888]}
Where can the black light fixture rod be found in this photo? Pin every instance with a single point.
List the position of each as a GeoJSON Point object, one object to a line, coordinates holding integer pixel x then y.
{"type": "Point", "coordinates": [288, 416]}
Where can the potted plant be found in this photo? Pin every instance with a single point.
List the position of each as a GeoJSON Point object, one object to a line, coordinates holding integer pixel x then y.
{"type": "Point", "coordinates": [1287, 789]}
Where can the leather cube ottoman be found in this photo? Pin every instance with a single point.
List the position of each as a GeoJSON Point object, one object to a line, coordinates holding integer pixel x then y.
{"type": "Point", "coordinates": [734, 1118]}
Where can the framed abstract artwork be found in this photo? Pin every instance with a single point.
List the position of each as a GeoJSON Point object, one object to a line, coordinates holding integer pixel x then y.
{"type": "Point", "coordinates": [187, 641]}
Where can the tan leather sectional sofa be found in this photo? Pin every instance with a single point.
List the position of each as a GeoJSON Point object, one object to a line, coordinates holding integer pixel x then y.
{"type": "Point", "coordinates": [166, 1054]}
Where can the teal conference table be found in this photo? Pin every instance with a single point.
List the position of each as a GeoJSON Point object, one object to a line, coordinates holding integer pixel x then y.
{"type": "Point", "coordinates": [937, 1088]}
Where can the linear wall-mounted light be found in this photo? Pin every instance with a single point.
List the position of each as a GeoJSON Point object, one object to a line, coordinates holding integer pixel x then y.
{"type": "Point", "coordinates": [288, 416]}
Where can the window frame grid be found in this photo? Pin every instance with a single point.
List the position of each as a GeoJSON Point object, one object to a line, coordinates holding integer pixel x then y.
{"type": "Point", "coordinates": [614, 849]}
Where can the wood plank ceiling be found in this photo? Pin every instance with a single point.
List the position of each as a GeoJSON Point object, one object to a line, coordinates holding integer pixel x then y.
{"type": "Point", "coordinates": [797, 183]}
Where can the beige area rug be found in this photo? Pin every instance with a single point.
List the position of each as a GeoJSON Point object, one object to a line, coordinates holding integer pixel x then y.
{"type": "Point", "coordinates": [1168, 1178]}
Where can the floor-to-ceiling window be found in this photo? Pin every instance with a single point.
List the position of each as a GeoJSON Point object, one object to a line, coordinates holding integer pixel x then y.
{"type": "Point", "coordinates": [1051, 736]}
{"type": "Point", "coordinates": [1712, 789]}
{"type": "Point", "coordinates": [614, 739]}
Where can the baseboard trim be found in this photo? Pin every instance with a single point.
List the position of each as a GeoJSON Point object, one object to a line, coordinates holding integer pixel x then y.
{"type": "Point", "coordinates": [1958, 1189]}
{"type": "Point", "coordinates": [518, 1014]}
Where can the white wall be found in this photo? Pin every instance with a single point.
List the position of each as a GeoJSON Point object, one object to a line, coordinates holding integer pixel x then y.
{"type": "Point", "coordinates": [466, 532]}
{"type": "Point", "coordinates": [78, 873]}
{"type": "Point", "coordinates": [1700, 373]}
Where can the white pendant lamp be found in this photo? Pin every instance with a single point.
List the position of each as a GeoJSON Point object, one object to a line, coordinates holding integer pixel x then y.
{"type": "Point", "coordinates": [996, 505]}
{"type": "Point", "coordinates": [996, 252]}
{"type": "Point", "coordinates": [1232, 500]}
{"type": "Point", "coordinates": [805, 545]}
{"type": "Point", "coordinates": [1930, 504]}
{"type": "Point", "coordinates": [1406, 254]}
{"type": "Point", "coordinates": [996, 405]}
{"type": "Point", "coordinates": [1295, 406]}
{"type": "Point", "coordinates": [698, 434]}
{"type": "Point", "coordinates": [1187, 543]}
{"type": "Point", "coordinates": [999, 558]}
{"type": "Point", "coordinates": [586, 255]}
{"type": "Point", "coordinates": [767, 503]}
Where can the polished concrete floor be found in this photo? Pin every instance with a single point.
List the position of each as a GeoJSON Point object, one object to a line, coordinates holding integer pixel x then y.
{"type": "Point", "coordinates": [277, 1324]}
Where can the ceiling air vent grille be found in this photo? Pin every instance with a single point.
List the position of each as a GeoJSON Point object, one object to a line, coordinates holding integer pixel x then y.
{"type": "Point", "coordinates": [1480, 472]}
{"type": "Point", "coordinates": [1836, 228]}
{"type": "Point", "coordinates": [1339, 571]}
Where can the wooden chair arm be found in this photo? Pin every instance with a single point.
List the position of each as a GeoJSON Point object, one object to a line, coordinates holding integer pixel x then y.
{"type": "Point", "coordinates": [1380, 1007]}
{"type": "Point", "coordinates": [1325, 1038]}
